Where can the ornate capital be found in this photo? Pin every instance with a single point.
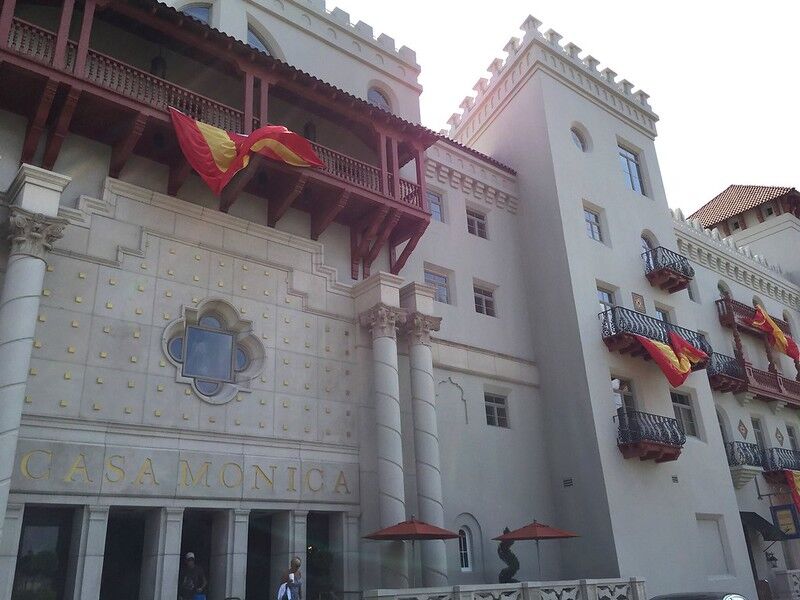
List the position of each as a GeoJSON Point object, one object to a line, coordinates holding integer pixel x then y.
{"type": "Point", "coordinates": [383, 320]}
{"type": "Point", "coordinates": [33, 233]}
{"type": "Point", "coordinates": [419, 327]}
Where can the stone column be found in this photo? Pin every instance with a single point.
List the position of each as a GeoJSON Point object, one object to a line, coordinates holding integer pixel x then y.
{"type": "Point", "coordinates": [383, 320]}
{"type": "Point", "coordinates": [9, 548]}
{"type": "Point", "coordinates": [161, 560]}
{"type": "Point", "coordinates": [288, 532]}
{"type": "Point", "coordinates": [229, 554]}
{"type": "Point", "coordinates": [86, 556]}
{"type": "Point", "coordinates": [426, 444]}
{"type": "Point", "coordinates": [32, 229]}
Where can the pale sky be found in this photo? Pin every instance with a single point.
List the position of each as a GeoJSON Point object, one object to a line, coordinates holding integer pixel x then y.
{"type": "Point", "coordinates": [722, 76]}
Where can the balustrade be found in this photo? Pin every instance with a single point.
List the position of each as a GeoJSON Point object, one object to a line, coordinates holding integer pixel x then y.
{"type": "Point", "coordinates": [619, 320]}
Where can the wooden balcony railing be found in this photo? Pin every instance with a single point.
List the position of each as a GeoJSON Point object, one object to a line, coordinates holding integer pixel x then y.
{"type": "Point", "coordinates": [37, 43]}
{"type": "Point", "coordinates": [730, 311]}
{"type": "Point", "coordinates": [728, 374]}
{"type": "Point", "coordinates": [649, 437]}
{"type": "Point", "coordinates": [667, 269]}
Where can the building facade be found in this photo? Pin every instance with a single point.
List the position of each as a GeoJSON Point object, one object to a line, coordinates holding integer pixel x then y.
{"type": "Point", "coordinates": [412, 330]}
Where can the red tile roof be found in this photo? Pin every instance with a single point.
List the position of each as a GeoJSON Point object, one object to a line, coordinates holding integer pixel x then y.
{"type": "Point", "coordinates": [736, 199]}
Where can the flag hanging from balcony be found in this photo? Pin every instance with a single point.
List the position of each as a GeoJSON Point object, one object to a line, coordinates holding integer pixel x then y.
{"type": "Point", "coordinates": [793, 481]}
{"type": "Point", "coordinates": [217, 155]}
{"type": "Point", "coordinates": [674, 359]}
{"type": "Point", "coordinates": [775, 336]}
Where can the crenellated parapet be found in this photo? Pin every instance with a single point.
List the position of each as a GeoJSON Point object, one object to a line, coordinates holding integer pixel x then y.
{"type": "Point", "coordinates": [708, 248]}
{"type": "Point", "coordinates": [537, 50]}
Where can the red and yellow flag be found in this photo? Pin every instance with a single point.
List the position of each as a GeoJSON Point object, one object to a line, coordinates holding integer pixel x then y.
{"type": "Point", "coordinates": [675, 360]}
{"type": "Point", "coordinates": [217, 155]}
{"type": "Point", "coordinates": [775, 335]}
{"type": "Point", "coordinates": [793, 481]}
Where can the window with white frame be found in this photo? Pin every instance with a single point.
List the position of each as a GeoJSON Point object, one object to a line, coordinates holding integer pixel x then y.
{"type": "Point", "coordinates": [435, 204]}
{"type": "Point", "coordinates": [440, 283]}
{"type": "Point", "coordinates": [662, 314]}
{"type": "Point", "coordinates": [791, 433]}
{"type": "Point", "coordinates": [496, 410]}
{"type": "Point", "coordinates": [684, 413]}
{"type": "Point", "coordinates": [484, 301]}
{"type": "Point", "coordinates": [631, 169]}
{"type": "Point", "coordinates": [592, 220]}
{"type": "Point", "coordinates": [736, 225]}
{"type": "Point", "coordinates": [605, 298]}
{"type": "Point", "coordinates": [465, 549]}
{"type": "Point", "coordinates": [625, 391]}
{"type": "Point", "coordinates": [476, 223]}
{"type": "Point", "coordinates": [758, 432]}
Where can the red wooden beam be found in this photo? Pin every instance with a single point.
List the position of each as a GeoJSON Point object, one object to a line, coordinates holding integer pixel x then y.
{"type": "Point", "coordinates": [37, 122]}
{"type": "Point", "coordinates": [59, 131]}
{"type": "Point", "coordinates": [122, 150]}
{"type": "Point", "coordinates": [239, 182]}
{"type": "Point", "coordinates": [60, 50]}
{"type": "Point", "coordinates": [320, 219]}
{"type": "Point", "coordinates": [397, 265]}
{"type": "Point", "coordinates": [278, 207]}
{"type": "Point", "coordinates": [249, 81]}
{"type": "Point", "coordinates": [389, 224]}
{"type": "Point", "coordinates": [178, 172]}
{"type": "Point", "coordinates": [83, 39]}
{"type": "Point", "coordinates": [369, 228]}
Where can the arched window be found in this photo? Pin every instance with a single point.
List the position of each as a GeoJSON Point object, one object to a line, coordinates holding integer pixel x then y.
{"type": "Point", "coordinates": [465, 549]}
{"type": "Point", "coordinates": [256, 42]}
{"type": "Point", "coordinates": [201, 12]}
{"type": "Point", "coordinates": [646, 246]}
{"type": "Point", "coordinates": [379, 99]}
{"type": "Point", "coordinates": [724, 290]}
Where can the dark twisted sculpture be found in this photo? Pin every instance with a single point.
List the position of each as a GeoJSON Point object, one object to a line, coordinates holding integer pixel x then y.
{"type": "Point", "coordinates": [508, 557]}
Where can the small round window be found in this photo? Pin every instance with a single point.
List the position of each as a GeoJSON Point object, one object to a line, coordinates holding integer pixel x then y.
{"type": "Point", "coordinates": [578, 139]}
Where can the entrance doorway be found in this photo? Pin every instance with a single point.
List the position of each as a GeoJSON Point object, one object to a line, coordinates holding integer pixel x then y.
{"type": "Point", "coordinates": [43, 553]}
{"type": "Point", "coordinates": [319, 557]}
{"type": "Point", "coordinates": [196, 537]}
{"type": "Point", "coordinates": [259, 539]}
{"type": "Point", "coordinates": [122, 562]}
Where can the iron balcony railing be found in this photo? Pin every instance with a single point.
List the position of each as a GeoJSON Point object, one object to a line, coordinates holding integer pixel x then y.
{"type": "Point", "coordinates": [620, 320]}
{"type": "Point", "coordinates": [664, 258]}
{"type": "Point", "coordinates": [722, 364]}
{"type": "Point", "coordinates": [742, 453]}
{"type": "Point", "coordinates": [778, 459]}
{"type": "Point", "coordinates": [636, 426]}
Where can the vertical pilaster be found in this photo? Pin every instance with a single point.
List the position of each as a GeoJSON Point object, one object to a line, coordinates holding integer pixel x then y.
{"type": "Point", "coordinates": [63, 33]}
{"type": "Point", "coordinates": [289, 537]}
{"type": "Point", "coordinates": [161, 559]}
{"type": "Point", "coordinates": [228, 554]}
{"type": "Point", "coordinates": [83, 39]}
{"type": "Point", "coordinates": [33, 227]}
{"type": "Point", "coordinates": [420, 166]}
{"type": "Point", "coordinates": [9, 548]}
{"type": "Point", "coordinates": [351, 576]}
{"type": "Point", "coordinates": [86, 556]}
{"type": "Point", "coordinates": [383, 320]}
{"type": "Point", "coordinates": [249, 87]}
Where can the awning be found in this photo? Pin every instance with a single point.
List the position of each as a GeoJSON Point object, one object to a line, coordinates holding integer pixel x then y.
{"type": "Point", "coordinates": [768, 530]}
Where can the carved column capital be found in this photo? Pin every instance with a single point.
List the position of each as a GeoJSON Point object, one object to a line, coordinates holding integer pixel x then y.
{"type": "Point", "coordinates": [419, 327]}
{"type": "Point", "coordinates": [33, 233]}
{"type": "Point", "coordinates": [383, 320]}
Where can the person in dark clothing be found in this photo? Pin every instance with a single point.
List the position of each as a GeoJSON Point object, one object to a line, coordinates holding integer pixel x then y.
{"type": "Point", "coordinates": [192, 579]}
{"type": "Point", "coordinates": [294, 580]}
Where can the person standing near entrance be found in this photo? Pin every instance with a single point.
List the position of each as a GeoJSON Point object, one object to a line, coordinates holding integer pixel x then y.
{"type": "Point", "coordinates": [193, 581]}
{"type": "Point", "coordinates": [292, 584]}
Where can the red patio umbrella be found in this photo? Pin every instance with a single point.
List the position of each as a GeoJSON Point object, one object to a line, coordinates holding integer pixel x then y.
{"type": "Point", "coordinates": [536, 531]}
{"type": "Point", "coordinates": [412, 530]}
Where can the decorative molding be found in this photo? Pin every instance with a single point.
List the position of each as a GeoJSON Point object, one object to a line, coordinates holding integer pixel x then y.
{"type": "Point", "coordinates": [708, 249]}
{"type": "Point", "coordinates": [744, 474]}
{"type": "Point", "coordinates": [33, 233]}
{"type": "Point", "coordinates": [419, 327]}
{"type": "Point", "coordinates": [383, 320]}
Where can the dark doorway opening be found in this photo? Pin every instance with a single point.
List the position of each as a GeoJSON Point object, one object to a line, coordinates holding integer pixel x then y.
{"type": "Point", "coordinates": [122, 563]}
{"type": "Point", "coordinates": [259, 541]}
{"type": "Point", "coordinates": [196, 537]}
{"type": "Point", "coordinates": [43, 554]}
{"type": "Point", "coordinates": [319, 558]}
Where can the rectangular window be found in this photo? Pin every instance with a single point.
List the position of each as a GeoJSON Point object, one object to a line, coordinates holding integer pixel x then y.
{"type": "Point", "coordinates": [792, 435]}
{"type": "Point", "coordinates": [758, 433]}
{"type": "Point", "coordinates": [626, 394]}
{"type": "Point", "coordinates": [631, 170]}
{"type": "Point", "coordinates": [662, 314]}
{"type": "Point", "coordinates": [691, 291]}
{"type": "Point", "coordinates": [684, 414]}
{"type": "Point", "coordinates": [605, 298]}
{"type": "Point", "coordinates": [496, 410]}
{"type": "Point", "coordinates": [736, 225]}
{"type": "Point", "coordinates": [769, 210]}
{"type": "Point", "coordinates": [476, 223]}
{"type": "Point", "coordinates": [484, 301]}
{"type": "Point", "coordinates": [440, 283]}
{"type": "Point", "coordinates": [435, 204]}
{"type": "Point", "coordinates": [592, 220]}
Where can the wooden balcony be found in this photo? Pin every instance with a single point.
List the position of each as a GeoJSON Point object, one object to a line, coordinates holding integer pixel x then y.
{"type": "Point", "coordinates": [620, 326]}
{"type": "Point", "coordinates": [649, 437]}
{"type": "Point", "coordinates": [727, 374]}
{"type": "Point", "coordinates": [732, 312]}
{"type": "Point", "coordinates": [667, 269]}
{"type": "Point", "coordinates": [64, 87]}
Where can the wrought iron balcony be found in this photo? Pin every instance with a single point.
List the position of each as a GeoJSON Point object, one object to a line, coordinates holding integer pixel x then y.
{"type": "Point", "coordinates": [667, 269]}
{"type": "Point", "coordinates": [744, 454]}
{"type": "Point", "coordinates": [726, 374]}
{"type": "Point", "coordinates": [780, 459]}
{"type": "Point", "coordinates": [731, 311]}
{"type": "Point", "coordinates": [620, 325]}
{"type": "Point", "coordinates": [649, 437]}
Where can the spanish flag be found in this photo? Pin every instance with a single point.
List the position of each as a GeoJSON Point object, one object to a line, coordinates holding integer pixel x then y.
{"type": "Point", "coordinates": [675, 360]}
{"type": "Point", "coordinates": [217, 155]}
{"type": "Point", "coordinates": [793, 481]}
{"type": "Point", "coordinates": [775, 335]}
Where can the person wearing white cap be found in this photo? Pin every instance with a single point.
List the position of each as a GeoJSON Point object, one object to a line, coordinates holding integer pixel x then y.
{"type": "Point", "coordinates": [192, 581]}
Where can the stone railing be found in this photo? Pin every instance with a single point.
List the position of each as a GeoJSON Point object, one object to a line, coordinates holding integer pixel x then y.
{"type": "Point", "coordinates": [584, 589]}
